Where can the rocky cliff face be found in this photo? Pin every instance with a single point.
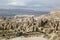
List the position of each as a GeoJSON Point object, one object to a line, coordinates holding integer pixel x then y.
{"type": "Point", "coordinates": [48, 24]}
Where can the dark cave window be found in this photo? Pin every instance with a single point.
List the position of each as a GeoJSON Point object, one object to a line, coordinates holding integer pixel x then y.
{"type": "Point", "coordinates": [3, 35]}
{"type": "Point", "coordinates": [44, 23]}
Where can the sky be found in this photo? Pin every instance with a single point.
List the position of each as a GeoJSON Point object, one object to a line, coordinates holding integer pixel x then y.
{"type": "Point", "coordinates": [41, 5]}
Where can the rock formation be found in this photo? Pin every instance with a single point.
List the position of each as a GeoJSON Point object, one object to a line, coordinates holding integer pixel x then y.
{"type": "Point", "coordinates": [48, 24]}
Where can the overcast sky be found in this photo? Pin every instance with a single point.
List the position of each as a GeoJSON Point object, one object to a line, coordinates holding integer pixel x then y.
{"type": "Point", "coordinates": [45, 5]}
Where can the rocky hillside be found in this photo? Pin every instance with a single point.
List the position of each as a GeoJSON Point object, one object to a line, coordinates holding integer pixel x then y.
{"type": "Point", "coordinates": [30, 25]}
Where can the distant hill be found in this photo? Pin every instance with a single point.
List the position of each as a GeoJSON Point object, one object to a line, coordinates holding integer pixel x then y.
{"type": "Point", "coordinates": [52, 14]}
{"type": "Point", "coordinates": [12, 12]}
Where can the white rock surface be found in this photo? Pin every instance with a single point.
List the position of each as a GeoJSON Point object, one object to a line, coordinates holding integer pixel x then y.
{"type": "Point", "coordinates": [29, 38]}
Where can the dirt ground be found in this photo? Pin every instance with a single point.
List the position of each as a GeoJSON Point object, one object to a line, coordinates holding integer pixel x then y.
{"type": "Point", "coordinates": [29, 38]}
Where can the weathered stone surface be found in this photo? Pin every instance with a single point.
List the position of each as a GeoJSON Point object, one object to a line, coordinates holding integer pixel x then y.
{"type": "Point", "coordinates": [47, 24]}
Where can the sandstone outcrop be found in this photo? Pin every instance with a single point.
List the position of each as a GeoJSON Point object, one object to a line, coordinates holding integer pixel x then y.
{"type": "Point", "coordinates": [47, 24]}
